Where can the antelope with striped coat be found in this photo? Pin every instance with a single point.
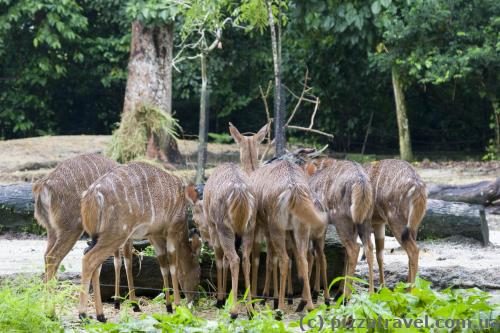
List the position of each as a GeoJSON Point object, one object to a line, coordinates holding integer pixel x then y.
{"type": "Point", "coordinates": [228, 210]}
{"type": "Point", "coordinates": [138, 201]}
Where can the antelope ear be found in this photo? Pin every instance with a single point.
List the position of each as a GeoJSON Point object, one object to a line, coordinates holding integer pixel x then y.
{"type": "Point", "coordinates": [237, 136]}
{"type": "Point", "coordinates": [191, 194]}
{"type": "Point", "coordinates": [310, 169]}
{"type": "Point", "coordinates": [196, 245]}
{"type": "Point", "coordinates": [261, 134]}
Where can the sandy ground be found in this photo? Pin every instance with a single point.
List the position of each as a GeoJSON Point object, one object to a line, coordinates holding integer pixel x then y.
{"type": "Point", "coordinates": [25, 160]}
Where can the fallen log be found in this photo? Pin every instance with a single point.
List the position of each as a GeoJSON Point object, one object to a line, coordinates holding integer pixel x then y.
{"type": "Point", "coordinates": [444, 219]}
{"type": "Point", "coordinates": [16, 207]}
{"type": "Point", "coordinates": [482, 193]}
{"type": "Point", "coordinates": [148, 280]}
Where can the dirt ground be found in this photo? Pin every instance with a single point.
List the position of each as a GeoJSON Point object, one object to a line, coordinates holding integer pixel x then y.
{"type": "Point", "coordinates": [455, 261]}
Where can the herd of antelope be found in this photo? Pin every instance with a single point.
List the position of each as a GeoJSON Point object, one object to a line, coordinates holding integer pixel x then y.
{"type": "Point", "coordinates": [284, 203]}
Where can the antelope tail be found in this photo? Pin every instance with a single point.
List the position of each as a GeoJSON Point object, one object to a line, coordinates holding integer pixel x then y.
{"type": "Point", "coordinates": [42, 197]}
{"type": "Point", "coordinates": [92, 205]}
{"type": "Point", "coordinates": [299, 203]}
{"type": "Point", "coordinates": [417, 204]}
{"type": "Point", "coordinates": [361, 201]}
{"type": "Point", "coordinates": [241, 204]}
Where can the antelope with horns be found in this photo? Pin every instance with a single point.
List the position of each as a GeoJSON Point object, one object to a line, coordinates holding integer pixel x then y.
{"type": "Point", "coordinates": [281, 190]}
{"type": "Point", "coordinates": [138, 201]}
{"type": "Point", "coordinates": [228, 210]}
{"type": "Point", "coordinates": [57, 209]}
{"type": "Point", "coordinates": [400, 201]}
{"type": "Point", "coordinates": [345, 190]}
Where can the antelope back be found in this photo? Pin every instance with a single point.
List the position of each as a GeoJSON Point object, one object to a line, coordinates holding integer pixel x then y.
{"type": "Point", "coordinates": [228, 198]}
{"type": "Point", "coordinates": [137, 200]}
{"type": "Point", "coordinates": [249, 147]}
{"type": "Point", "coordinates": [281, 188]}
{"type": "Point", "coordinates": [57, 196]}
{"type": "Point", "coordinates": [345, 189]}
{"type": "Point", "coordinates": [138, 193]}
{"type": "Point", "coordinates": [396, 183]}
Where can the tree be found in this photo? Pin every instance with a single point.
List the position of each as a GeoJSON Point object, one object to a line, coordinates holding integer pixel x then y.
{"type": "Point", "coordinates": [149, 81]}
{"type": "Point", "coordinates": [435, 42]}
{"type": "Point", "coordinates": [202, 18]}
{"type": "Point", "coordinates": [37, 44]}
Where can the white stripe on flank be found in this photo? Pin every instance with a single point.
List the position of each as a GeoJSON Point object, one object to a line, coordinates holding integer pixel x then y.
{"type": "Point", "coordinates": [74, 179]}
{"type": "Point", "coordinates": [141, 192]}
{"type": "Point", "coordinates": [124, 191]}
{"type": "Point", "coordinates": [96, 166]}
{"type": "Point", "coordinates": [114, 189]}
{"type": "Point", "coordinates": [151, 206]}
{"type": "Point", "coordinates": [162, 203]}
{"type": "Point", "coordinates": [378, 179]}
{"type": "Point", "coordinates": [131, 173]}
{"type": "Point", "coordinates": [83, 175]}
{"type": "Point", "coordinates": [89, 164]}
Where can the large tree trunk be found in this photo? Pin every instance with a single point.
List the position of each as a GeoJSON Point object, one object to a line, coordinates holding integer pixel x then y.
{"type": "Point", "coordinates": [279, 111]}
{"type": "Point", "coordinates": [149, 80]}
{"type": "Point", "coordinates": [484, 193]}
{"type": "Point", "coordinates": [203, 126]}
{"type": "Point", "coordinates": [444, 219]}
{"type": "Point", "coordinates": [403, 127]}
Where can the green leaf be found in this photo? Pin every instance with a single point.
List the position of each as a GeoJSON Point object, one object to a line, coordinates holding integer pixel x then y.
{"type": "Point", "coordinates": [375, 7]}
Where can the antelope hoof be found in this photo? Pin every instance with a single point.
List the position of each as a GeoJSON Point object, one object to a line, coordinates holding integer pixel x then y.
{"type": "Point", "coordinates": [83, 317]}
{"type": "Point", "coordinates": [234, 316]}
{"type": "Point", "coordinates": [275, 303]}
{"type": "Point", "coordinates": [327, 301]}
{"type": "Point", "coordinates": [263, 302]}
{"type": "Point", "coordinates": [220, 304]}
{"type": "Point", "coordinates": [136, 307]}
{"type": "Point", "coordinates": [314, 295]}
{"type": "Point", "coordinates": [117, 304]}
{"type": "Point", "coordinates": [290, 299]}
{"type": "Point", "coordinates": [169, 308]}
{"type": "Point", "coordinates": [101, 318]}
{"type": "Point", "coordinates": [301, 306]}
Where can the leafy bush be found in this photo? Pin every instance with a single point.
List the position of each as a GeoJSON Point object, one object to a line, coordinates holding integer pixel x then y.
{"type": "Point", "coordinates": [391, 306]}
{"type": "Point", "coordinates": [28, 305]}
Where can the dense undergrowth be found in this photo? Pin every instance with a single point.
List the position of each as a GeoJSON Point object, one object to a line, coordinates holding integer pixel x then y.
{"type": "Point", "coordinates": [26, 305]}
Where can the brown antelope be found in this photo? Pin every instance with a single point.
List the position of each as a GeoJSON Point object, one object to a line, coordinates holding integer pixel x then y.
{"type": "Point", "coordinates": [345, 190]}
{"type": "Point", "coordinates": [57, 209]}
{"type": "Point", "coordinates": [138, 201]}
{"type": "Point", "coordinates": [400, 201]}
{"type": "Point", "coordinates": [57, 204]}
{"type": "Point", "coordinates": [228, 209]}
{"type": "Point", "coordinates": [280, 189]}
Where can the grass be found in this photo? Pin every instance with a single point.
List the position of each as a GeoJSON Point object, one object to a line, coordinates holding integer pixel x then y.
{"type": "Point", "coordinates": [128, 142]}
{"type": "Point", "coordinates": [27, 305]}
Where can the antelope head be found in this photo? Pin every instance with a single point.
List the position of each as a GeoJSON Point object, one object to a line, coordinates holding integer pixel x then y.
{"type": "Point", "coordinates": [249, 152]}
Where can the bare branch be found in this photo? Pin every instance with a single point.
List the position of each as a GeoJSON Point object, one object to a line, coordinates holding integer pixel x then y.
{"type": "Point", "coordinates": [307, 129]}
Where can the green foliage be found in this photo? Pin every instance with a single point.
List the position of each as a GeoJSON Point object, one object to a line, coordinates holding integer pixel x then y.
{"type": "Point", "coordinates": [391, 306]}
{"type": "Point", "coordinates": [155, 12]}
{"type": "Point", "coordinates": [220, 138]}
{"type": "Point", "coordinates": [36, 44]}
{"type": "Point", "coordinates": [136, 126]}
{"type": "Point", "coordinates": [28, 305]}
